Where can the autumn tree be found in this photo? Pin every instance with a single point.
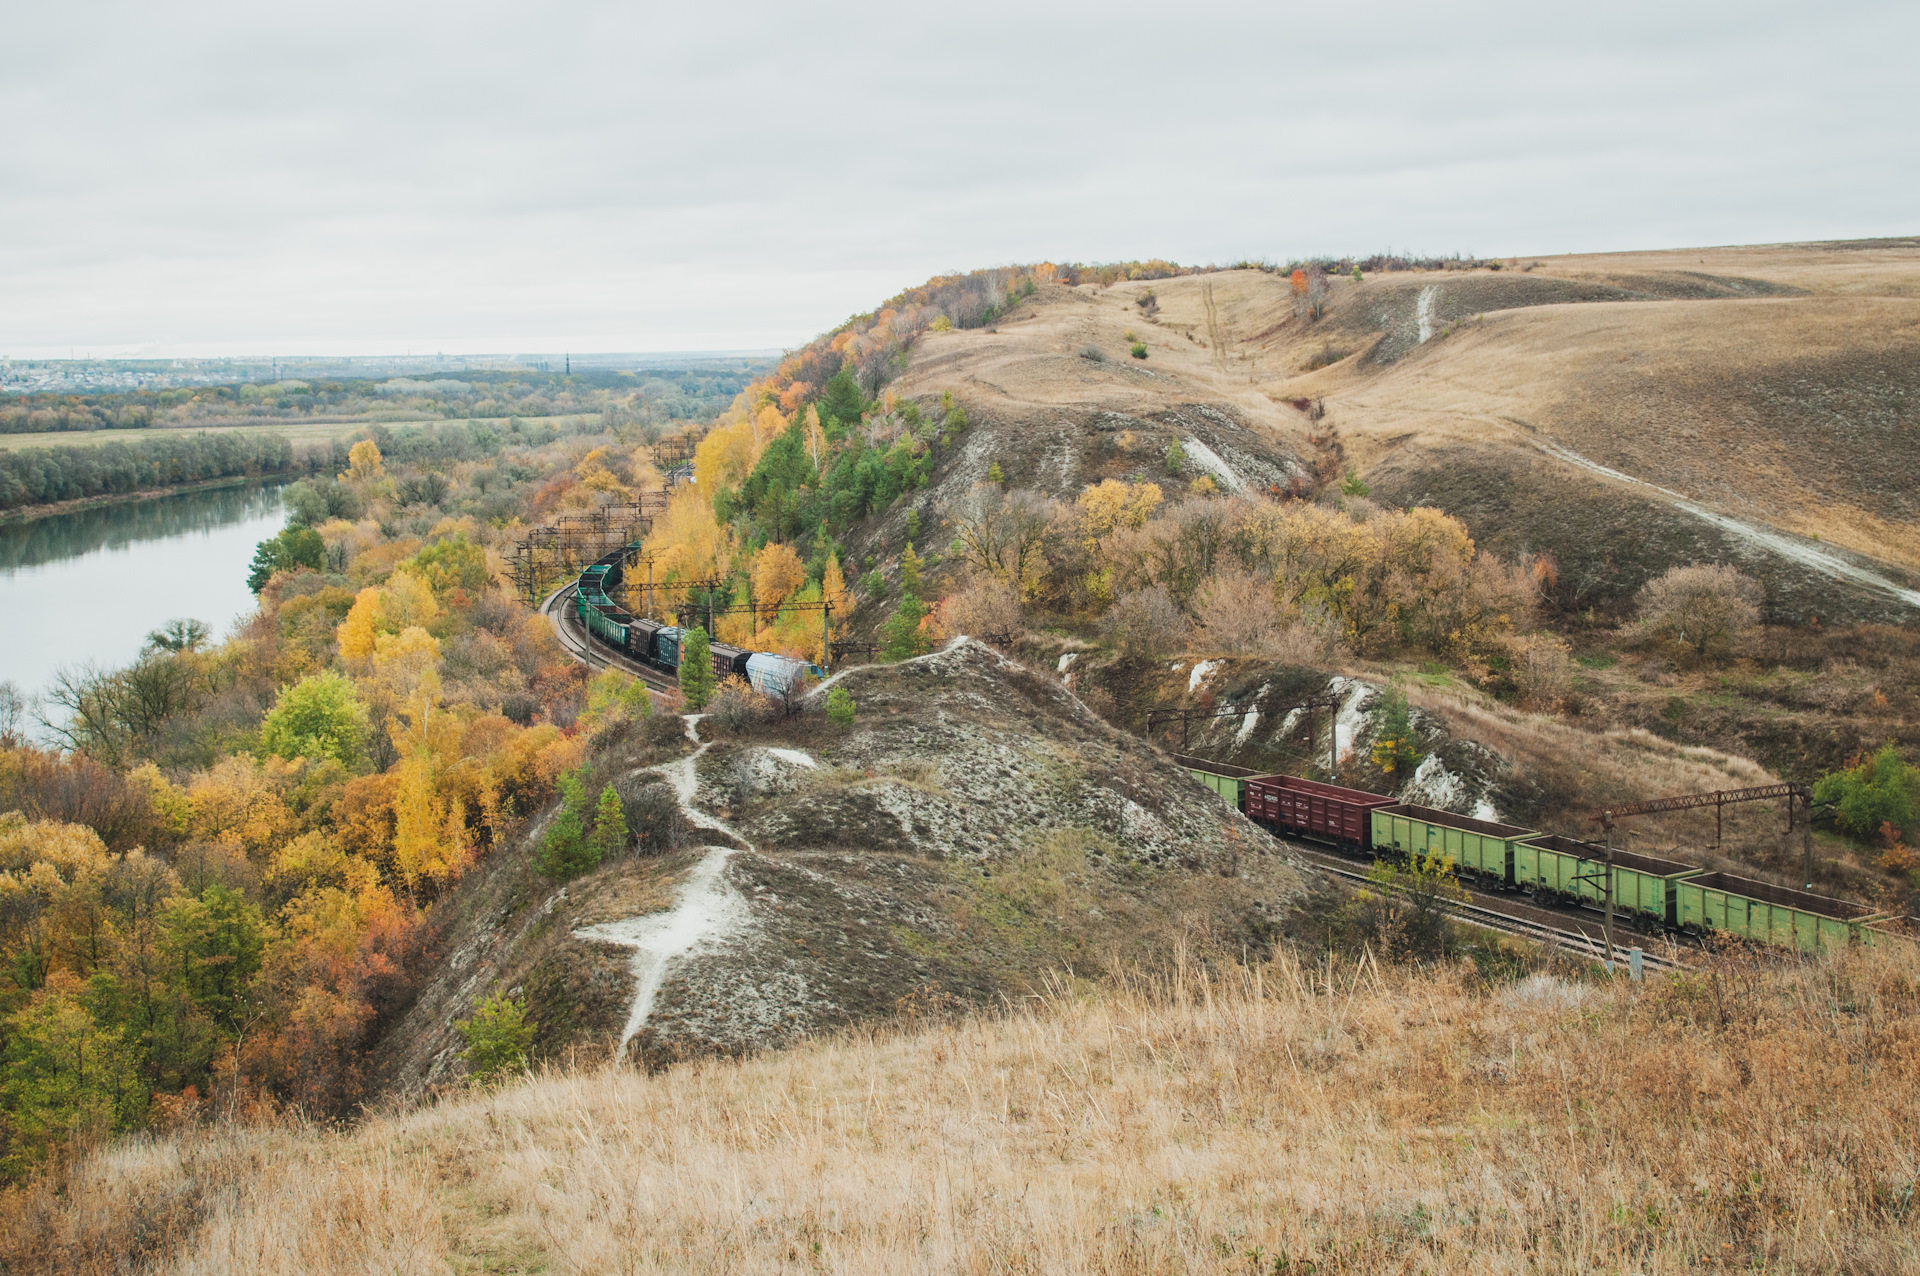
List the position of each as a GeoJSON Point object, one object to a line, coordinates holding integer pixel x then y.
{"type": "Point", "coordinates": [1145, 623]}
{"type": "Point", "coordinates": [1109, 505]}
{"type": "Point", "coordinates": [1003, 534]}
{"type": "Point", "coordinates": [318, 717]}
{"type": "Point", "coordinates": [986, 607]}
{"type": "Point", "coordinates": [778, 574]}
{"type": "Point", "coordinates": [363, 461]}
{"type": "Point", "coordinates": [1703, 605]}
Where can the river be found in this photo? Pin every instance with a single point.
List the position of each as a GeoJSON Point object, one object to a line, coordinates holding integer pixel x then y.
{"type": "Point", "coordinates": [88, 586]}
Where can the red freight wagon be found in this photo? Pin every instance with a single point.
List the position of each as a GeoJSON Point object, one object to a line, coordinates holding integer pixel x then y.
{"type": "Point", "coordinates": [1326, 811]}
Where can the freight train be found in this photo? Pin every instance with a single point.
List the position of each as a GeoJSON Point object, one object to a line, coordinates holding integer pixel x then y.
{"type": "Point", "coordinates": [659, 646]}
{"type": "Point", "coordinates": [1652, 893]}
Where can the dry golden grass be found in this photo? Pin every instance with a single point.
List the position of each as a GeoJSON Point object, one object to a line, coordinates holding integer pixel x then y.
{"type": "Point", "coordinates": [1755, 1115]}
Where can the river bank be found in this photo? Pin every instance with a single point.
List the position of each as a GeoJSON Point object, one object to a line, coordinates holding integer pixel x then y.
{"type": "Point", "coordinates": [31, 513]}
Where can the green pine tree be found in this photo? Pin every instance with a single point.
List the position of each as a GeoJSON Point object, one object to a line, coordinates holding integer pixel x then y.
{"type": "Point", "coordinates": [994, 475]}
{"type": "Point", "coordinates": [696, 669]}
{"type": "Point", "coordinates": [609, 836]}
{"type": "Point", "coordinates": [1393, 747]}
{"type": "Point", "coordinates": [901, 637]}
{"type": "Point", "coordinates": [564, 853]}
{"type": "Point", "coordinates": [841, 707]}
{"type": "Point", "coordinates": [910, 571]}
{"type": "Point", "coordinates": [498, 1038]}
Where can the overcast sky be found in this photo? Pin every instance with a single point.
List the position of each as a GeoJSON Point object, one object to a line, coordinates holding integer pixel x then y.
{"type": "Point", "coordinates": [180, 179]}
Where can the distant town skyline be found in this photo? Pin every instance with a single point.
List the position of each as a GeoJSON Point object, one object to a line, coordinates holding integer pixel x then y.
{"type": "Point", "coordinates": [220, 179]}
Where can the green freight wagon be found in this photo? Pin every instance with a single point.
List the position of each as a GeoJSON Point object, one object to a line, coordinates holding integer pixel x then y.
{"type": "Point", "coordinates": [1770, 914]}
{"type": "Point", "coordinates": [1482, 848]}
{"type": "Point", "coordinates": [1569, 869]}
{"type": "Point", "coordinates": [1229, 781]}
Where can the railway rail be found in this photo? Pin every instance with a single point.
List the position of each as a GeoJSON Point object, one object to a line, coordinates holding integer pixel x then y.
{"type": "Point", "coordinates": [579, 643]}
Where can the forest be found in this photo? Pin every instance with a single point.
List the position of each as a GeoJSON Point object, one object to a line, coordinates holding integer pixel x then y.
{"type": "Point", "coordinates": [664, 395]}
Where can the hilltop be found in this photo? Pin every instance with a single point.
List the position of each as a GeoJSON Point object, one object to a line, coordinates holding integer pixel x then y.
{"type": "Point", "coordinates": [1620, 412]}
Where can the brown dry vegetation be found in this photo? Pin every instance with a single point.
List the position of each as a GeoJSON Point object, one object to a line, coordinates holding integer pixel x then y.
{"type": "Point", "coordinates": [1777, 385]}
{"type": "Point", "coordinates": [1752, 1114]}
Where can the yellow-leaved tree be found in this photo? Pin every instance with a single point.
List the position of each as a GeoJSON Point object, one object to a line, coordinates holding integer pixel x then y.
{"type": "Point", "coordinates": [431, 842]}
{"type": "Point", "coordinates": [1110, 505]}
{"type": "Point", "coordinates": [363, 461]}
{"type": "Point", "coordinates": [834, 588]}
{"type": "Point", "coordinates": [777, 574]}
{"type": "Point", "coordinates": [402, 661]}
{"type": "Point", "coordinates": [357, 632]}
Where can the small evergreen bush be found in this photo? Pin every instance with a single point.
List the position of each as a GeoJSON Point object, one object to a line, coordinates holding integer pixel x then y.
{"type": "Point", "coordinates": [498, 1038]}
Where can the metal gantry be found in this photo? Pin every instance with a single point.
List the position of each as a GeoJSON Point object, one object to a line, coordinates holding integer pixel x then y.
{"type": "Point", "coordinates": [1719, 799]}
{"type": "Point", "coordinates": [547, 556]}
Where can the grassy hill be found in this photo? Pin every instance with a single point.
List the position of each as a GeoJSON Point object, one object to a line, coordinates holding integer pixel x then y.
{"type": "Point", "coordinates": [1623, 412]}
{"type": "Point", "coordinates": [1285, 1118]}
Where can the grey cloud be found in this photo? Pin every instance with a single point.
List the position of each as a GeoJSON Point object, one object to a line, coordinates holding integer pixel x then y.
{"type": "Point", "coordinates": [650, 176]}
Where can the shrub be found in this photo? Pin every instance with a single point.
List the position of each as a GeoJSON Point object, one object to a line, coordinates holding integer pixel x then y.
{"type": "Point", "coordinates": [1139, 351]}
{"type": "Point", "coordinates": [841, 707]}
{"type": "Point", "coordinates": [1401, 914]}
{"type": "Point", "coordinates": [1871, 793]}
{"type": "Point", "coordinates": [1542, 670]}
{"type": "Point", "coordinates": [1702, 605]}
{"type": "Point", "coordinates": [736, 705]}
{"type": "Point", "coordinates": [1239, 615]}
{"type": "Point", "coordinates": [1093, 354]}
{"type": "Point", "coordinates": [498, 1038]}
{"type": "Point", "coordinates": [1176, 457]}
{"type": "Point", "coordinates": [1145, 623]}
{"type": "Point", "coordinates": [988, 607]}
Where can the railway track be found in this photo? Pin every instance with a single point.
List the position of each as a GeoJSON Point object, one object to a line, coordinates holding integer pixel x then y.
{"type": "Point", "coordinates": [1580, 936]}
{"type": "Point", "coordinates": [582, 647]}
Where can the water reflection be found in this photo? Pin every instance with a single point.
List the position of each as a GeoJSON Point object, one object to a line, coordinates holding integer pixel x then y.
{"type": "Point", "coordinates": [58, 536]}
{"type": "Point", "coordinates": [88, 586]}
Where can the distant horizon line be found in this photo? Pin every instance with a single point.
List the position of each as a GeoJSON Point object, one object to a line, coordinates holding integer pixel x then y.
{"type": "Point", "coordinates": [438, 357]}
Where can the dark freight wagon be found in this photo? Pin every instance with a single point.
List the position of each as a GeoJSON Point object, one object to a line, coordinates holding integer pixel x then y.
{"type": "Point", "coordinates": [1326, 811]}
{"type": "Point", "coordinates": [1478, 847]}
{"type": "Point", "coordinates": [728, 660]}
